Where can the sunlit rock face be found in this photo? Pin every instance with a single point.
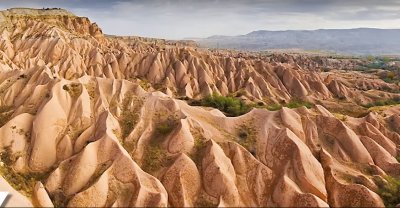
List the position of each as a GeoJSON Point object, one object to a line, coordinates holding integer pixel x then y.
{"type": "Point", "coordinates": [92, 120]}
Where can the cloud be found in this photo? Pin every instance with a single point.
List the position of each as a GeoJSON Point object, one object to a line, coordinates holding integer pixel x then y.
{"type": "Point", "coordinates": [194, 18]}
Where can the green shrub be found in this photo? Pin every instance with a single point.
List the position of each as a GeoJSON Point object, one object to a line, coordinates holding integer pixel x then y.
{"type": "Point", "coordinates": [295, 103]}
{"type": "Point", "coordinates": [247, 137]}
{"type": "Point", "coordinates": [199, 145]}
{"type": "Point", "coordinates": [73, 89]}
{"type": "Point", "coordinates": [128, 122]}
{"type": "Point", "coordinates": [164, 128]}
{"type": "Point", "coordinates": [298, 103]}
{"type": "Point", "coordinates": [154, 157]}
{"type": "Point", "coordinates": [145, 84]}
{"type": "Point", "coordinates": [393, 101]}
{"type": "Point", "coordinates": [274, 107]}
{"type": "Point", "coordinates": [390, 77]}
{"type": "Point", "coordinates": [130, 114]}
{"type": "Point", "coordinates": [231, 106]}
{"type": "Point", "coordinates": [390, 191]}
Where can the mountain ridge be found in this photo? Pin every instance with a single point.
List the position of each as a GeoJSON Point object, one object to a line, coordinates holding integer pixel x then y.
{"type": "Point", "coordinates": [357, 41]}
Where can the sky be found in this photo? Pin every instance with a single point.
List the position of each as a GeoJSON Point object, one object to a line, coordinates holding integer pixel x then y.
{"type": "Point", "coordinates": [178, 19]}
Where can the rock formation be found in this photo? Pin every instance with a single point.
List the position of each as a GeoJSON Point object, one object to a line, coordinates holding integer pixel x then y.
{"type": "Point", "coordinates": [89, 120]}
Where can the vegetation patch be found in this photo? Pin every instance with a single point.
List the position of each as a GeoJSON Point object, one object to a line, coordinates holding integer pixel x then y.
{"type": "Point", "coordinates": [130, 114]}
{"type": "Point", "coordinates": [145, 84]}
{"type": "Point", "coordinates": [75, 132]}
{"type": "Point", "coordinates": [59, 200]}
{"type": "Point", "coordinates": [392, 71]}
{"type": "Point", "coordinates": [390, 191]}
{"type": "Point", "coordinates": [198, 147]}
{"type": "Point", "coordinates": [155, 156]}
{"type": "Point", "coordinates": [247, 137]}
{"type": "Point", "coordinates": [233, 106]}
{"type": "Point", "coordinates": [341, 117]}
{"type": "Point", "coordinates": [274, 107]}
{"type": "Point", "coordinates": [393, 101]}
{"type": "Point", "coordinates": [298, 103]}
{"type": "Point", "coordinates": [128, 120]}
{"type": "Point", "coordinates": [165, 128]}
{"type": "Point", "coordinates": [204, 200]}
{"type": "Point", "coordinates": [230, 105]}
{"type": "Point", "coordinates": [22, 76]}
{"type": "Point", "coordinates": [353, 110]}
{"type": "Point", "coordinates": [91, 89]}
{"type": "Point", "coordinates": [74, 89]}
{"type": "Point", "coordinates": [391, 76]}
{"type": "Point", "coordinates": [22, 182]}
{"type": "Point", "coordinates": [294, 103]}
{"type": "Point", "coordinates": [5, 114]}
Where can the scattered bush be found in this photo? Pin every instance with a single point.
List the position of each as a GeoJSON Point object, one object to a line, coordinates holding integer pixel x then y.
{"type": "Point", "coordinates": [231, 106]}
{"type": "Point", "coordinates": [22, 182]}
{"type": "Point", "coordinates": [390, 191]}
{"type": "Point", "coordinates": [154, 157]}
{"type": "Point", "coordinates": [247, 137]}
{"type": "Point", "coordinates": [341, 117]}
{"type": "Point", "coordinates": [295, 103]}
{"type": "Point", "coordinates": [22, 76]}
{"type": "Point", "coordinates": [165, 128]}
{"type": "Point", "coordinates": [298, 103]}
{"type": "Point", "coordinates": [128, 122]}
{"type": "Point", "coordinates": [391, 76]}
{"type": "Point", "coordinates": [199, 145]}
{"type": "Point", "coordinates": [130, 114]}
{"type": "Point", "coordinates": [376, 65]}
{"type": "Point", "coordinates": [91, 89]}
{"type": "Point", "coordinates": [145, 84]}
{"type": "Point", "coordinates": [74, 89]}
{"type": "Point", "coordinates": [393, 101]}
{"type": "Point", "coordinates": [274, 107]}
{"type": "Point", "coordinates": [204, 200]}
{"type": "Point", "coordinates": [65, 87]}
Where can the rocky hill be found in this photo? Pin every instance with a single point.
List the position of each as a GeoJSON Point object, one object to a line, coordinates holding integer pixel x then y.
{"type": "Point", "coordinates": [361, 41]}
{"type": "Point", "coordinates": [92, 120]}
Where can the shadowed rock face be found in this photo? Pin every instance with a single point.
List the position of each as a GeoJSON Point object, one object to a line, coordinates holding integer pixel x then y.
{"type": "Point", "coordinates": [76, 115]}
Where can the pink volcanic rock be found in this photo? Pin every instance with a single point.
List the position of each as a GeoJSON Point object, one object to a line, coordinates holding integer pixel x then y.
{"type": "Point", "coordinates": [81, 111]}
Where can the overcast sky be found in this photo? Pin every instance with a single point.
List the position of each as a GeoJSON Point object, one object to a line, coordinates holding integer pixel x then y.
{"type": "Point", "coordinates": [176, 19]}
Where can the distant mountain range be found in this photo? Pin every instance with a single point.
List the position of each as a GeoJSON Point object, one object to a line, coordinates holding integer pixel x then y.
{"type": "Point", "coordinates": [360, 41]}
